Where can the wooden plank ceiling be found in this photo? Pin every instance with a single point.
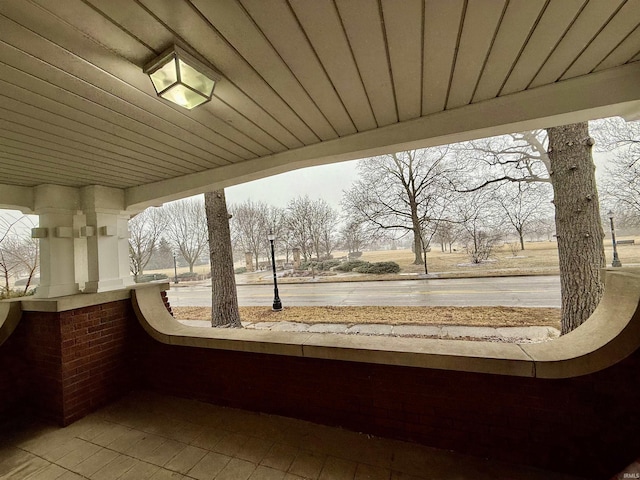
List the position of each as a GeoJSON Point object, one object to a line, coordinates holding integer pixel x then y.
{"type": "Point", "coordinates": [76, 108]}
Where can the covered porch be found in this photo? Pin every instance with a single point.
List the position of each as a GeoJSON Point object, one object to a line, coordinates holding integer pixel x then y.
{"type": "Point", "coordinates": [85, 143]}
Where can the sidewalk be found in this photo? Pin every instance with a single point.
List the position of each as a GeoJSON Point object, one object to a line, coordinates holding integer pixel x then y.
{"type": "Point", "coordinates": [533, 334]}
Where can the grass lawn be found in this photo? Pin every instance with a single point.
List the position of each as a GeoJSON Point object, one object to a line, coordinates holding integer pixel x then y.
{"type": "Point", "coordinates": [469, 316]}
{"type": "Point", "coordinates": [538, 257]}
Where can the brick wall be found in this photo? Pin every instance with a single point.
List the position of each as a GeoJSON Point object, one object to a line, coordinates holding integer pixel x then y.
{"type": "Point", "coordinates": [165, 300]}
{"type": "Point", "coordinates": [65, 365]}
{"type": "Point", "coordinates": [97, 357]}
{"type": "Point", "coordinates": [587, 425]}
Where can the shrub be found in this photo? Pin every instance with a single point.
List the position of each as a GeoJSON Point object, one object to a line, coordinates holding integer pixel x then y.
{"type": "Point", "coordinates": [354, 255]}
{"type": "Point", "coordinates": [323, 266]}
{"type": "Point", "coordinates": [240, 270]}
{"type": "Point", "coordinates": [379, 267]}
{"type": "Point", "coordinates": [188, 276]}
{"type": "Point", "coordinates": [348, 266]}
{"type": "Point", "coordinates": [149, 277]}
{"type": "Point", "coordinates": [328, 264]}
{"type": "Point", "coordinates": [16, 293]}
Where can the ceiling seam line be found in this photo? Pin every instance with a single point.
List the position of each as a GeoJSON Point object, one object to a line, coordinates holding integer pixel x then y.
{"type": "Point", "coordinates": [105, 92]}
{"type": "Point", "coordinates": [85, 61]}
{"type": "Point", "coordinates": [118, 26]}
{"type": "Point", "coordinates": [107, 159]}
{"type": "Point", "coordinates": [592, 39]}
{"type": "Point", "coordinates": [33, 164]}
{"type": "Point", "coordinates": [355, 63]}
{"type": "Point", "coordinates": [315, 53]}
{"type": "Point", "coordinates": [88, 145]}
{"type": "Point", "coordinates": [616, 47]}
{"type": "Point", "coordinates": [524, 46]}
{"type": "Point", "coordinates": [493, 42]}
{"type": "Point", "coordinates": [239, 113]}
{"type": "Point", "coordinates": [85, 166]}
{"type": "Point", "coordinates": [240, 90]}
{"type": "Point", "coordinates": [383, 27]}
{"type": "Point", "coordinates": [230, 45]}
{"type": "Point", "coordinates": [277, 53]}
{"type": "Point", "coordinates": [35, 167]}
{"type": "Point", "coordinates": [118, 114]}
{"type": "Point", "coordinates": [457, 49]}
{"type": "Point", "coordinates": [99, 129]}
{"type": "Point", "coordinates": [555, 47]}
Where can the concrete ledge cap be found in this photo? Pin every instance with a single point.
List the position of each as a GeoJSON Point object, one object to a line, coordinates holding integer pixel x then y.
{"type": "Point", "coordinates": [611, 333]}
{"type": "Point", "coordinates": [608, 336]}
{"type": "Point", "coordinates": [485, 357]}
{"type": "Point", "coordinates": [82, 300]}
{"type": "Point", "coordinates": [10, 315]}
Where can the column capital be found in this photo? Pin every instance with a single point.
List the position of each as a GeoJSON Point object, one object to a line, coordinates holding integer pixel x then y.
{"type": "Point", "coordinates": [55, 199]}
{"type": "Point", "coordinates": [97, 198]}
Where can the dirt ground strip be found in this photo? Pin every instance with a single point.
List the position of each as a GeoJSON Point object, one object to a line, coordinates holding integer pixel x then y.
{"type": "Point", "coordinates": [469, 316]}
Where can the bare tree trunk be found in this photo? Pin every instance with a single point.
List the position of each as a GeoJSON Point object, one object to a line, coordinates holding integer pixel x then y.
{"type": "Point", "coordinates": [417, 249]}
{"type": "Point", "coordinates": [417, 238]}
{"type": "Point", "coordinates": [521, 236]}
{"type": "Point", "coordinates": [578, 227]}
{"type": "Point", "coordinates": [224, 298]}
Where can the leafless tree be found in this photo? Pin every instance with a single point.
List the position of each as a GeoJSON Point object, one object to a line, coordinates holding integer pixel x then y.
{"type": "Point", "coordinates": [312, 226]}
{"type": "Point", "coordinates": [616, 135]}
{"type": "Point", "coordinates": [354, 237]}
{"type": "Point", "coordinates": [404, 191]}
{"type": "Point", "coordinates": [516, 158]}
{"type": "Point", "coordinates": [621, 187]}
{"type": "Point", "coordinates": [224, 298]}
{"type": "Point", "coordinates": [145, 231]}
{"type": "Point", "coordinates": [477, 215]}
{"type": "Point", "coordinates": [522, 204]}
{"type": "Point", "coordinates": [250, 226]}
{"type": "Point", "coordinates": [162, 256]}
{"type": "Point", "coordinates": [578, 225]}
{"type": "Point", "coordinates": [8, 264]}
{"type": "Point", "coordinates": [568, 165]}
{"type": "Point", "coordinates": [19, 253]}
{"type": "Point", "coordinates": [299, 211]}
{"type": "Point", "coordinates": [186, 228]}
{"type": "Point", "coordinates": [324, 228]}
{"type": "Point", "coordinates": [448, 233]}
{"type": "Point", "coordinates": [26, 257]}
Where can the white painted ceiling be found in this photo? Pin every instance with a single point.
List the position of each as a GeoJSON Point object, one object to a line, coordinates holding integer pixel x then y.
{"type": "Point", "coordinates": [303, 81]}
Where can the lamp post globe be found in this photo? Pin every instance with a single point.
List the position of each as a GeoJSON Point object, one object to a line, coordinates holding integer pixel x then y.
{"type": "Point", "coordinates": [277, 304]}
{"type": "Point", "coordinates": [616, 260]}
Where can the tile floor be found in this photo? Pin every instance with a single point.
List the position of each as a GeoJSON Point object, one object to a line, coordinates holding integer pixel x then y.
{"type": "Point", "coordinates": [148, 436]}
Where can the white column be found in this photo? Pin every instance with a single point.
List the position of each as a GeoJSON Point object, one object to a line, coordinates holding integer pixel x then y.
{"type": "Point", "coordinates": [56, 207]}
{"type": "Point", "coordinates": [107, 239]}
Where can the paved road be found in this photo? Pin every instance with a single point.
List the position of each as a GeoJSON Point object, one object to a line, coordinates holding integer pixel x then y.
{"type": "Point", "coordinates": [538, 291]}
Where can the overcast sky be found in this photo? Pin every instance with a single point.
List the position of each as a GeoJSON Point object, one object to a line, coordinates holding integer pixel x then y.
{"type": "Point", "coordinates": [326, 181]}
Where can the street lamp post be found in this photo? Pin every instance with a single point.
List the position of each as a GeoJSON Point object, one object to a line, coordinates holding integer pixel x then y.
{"type": "Point", "coordinates": [616, 260]}
{"type": "Point", "coordinates": [277, 304]}
{"type": "Point", "coordinates": [175, 269]}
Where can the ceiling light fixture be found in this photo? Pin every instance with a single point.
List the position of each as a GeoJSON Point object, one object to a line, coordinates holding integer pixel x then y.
{"type": "Point", "coordinates": [179, 77]}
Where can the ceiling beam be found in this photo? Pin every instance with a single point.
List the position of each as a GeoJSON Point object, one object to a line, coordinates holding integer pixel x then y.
{"type": "Point", "coordinates": [607, 93]}
{"type": "Point", "coordinates": [16, 198]}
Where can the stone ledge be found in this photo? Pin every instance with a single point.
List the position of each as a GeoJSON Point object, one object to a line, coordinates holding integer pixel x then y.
{"type": "Point", "coordinates": [610, 334]}
{"type": "Point", "coordinates": [10, 315]}
{"type": "Point", "coordinates": [82, 300]}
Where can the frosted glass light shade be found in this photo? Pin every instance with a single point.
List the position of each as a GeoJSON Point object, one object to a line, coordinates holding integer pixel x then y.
{"type": "Point", "coordinates": [179, 77]}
